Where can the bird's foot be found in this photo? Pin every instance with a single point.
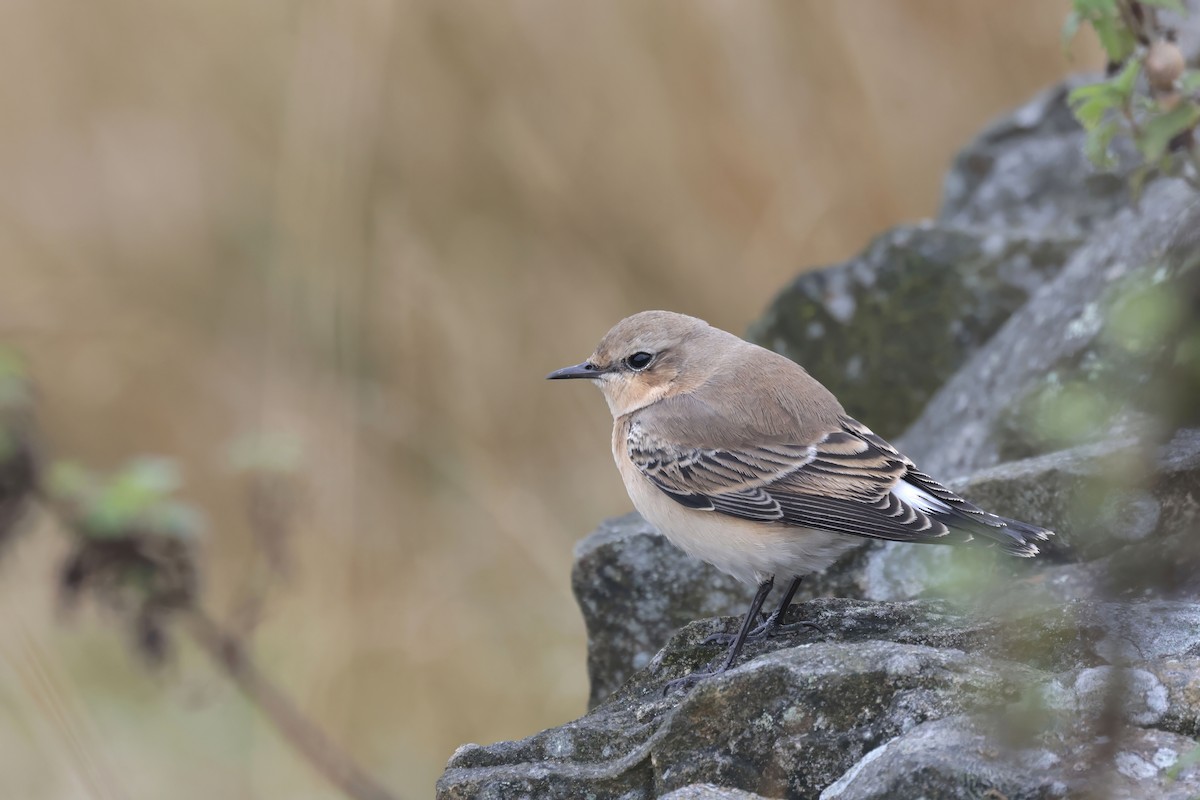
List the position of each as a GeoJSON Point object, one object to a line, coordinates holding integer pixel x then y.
{"type": "Point", "coordinates": [688, 681]}
{"type": "Point", "coordinates": [767, 630]}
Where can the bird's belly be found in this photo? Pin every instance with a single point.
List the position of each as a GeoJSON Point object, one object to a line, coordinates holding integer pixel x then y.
{"type": "Point", "coordinates": [749, 551]}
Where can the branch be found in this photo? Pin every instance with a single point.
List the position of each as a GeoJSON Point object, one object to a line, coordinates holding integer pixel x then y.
{"type": "Point", "coordinates": [230, 656]}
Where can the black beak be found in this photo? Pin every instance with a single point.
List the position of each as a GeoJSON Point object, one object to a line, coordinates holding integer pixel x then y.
{"type": "Point", "coordinates": [584, 370]}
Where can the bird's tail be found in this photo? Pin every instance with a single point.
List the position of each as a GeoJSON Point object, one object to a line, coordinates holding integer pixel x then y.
{"type": "Point", "coordinates": [1010, 535]}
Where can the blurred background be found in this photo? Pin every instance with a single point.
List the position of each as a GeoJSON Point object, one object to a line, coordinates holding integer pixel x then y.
{"type": "Point", "coordinates": [371, 228]}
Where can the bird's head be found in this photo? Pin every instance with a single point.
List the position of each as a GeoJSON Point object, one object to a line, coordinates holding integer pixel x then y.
{"type": "Point", "coordinates": [650, 356]}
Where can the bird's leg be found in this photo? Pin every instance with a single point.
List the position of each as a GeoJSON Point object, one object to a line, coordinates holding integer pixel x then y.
{"type": "Point", "coordinates": [688, 681]}
{"type": "Point", "coordinates": [771, 626]}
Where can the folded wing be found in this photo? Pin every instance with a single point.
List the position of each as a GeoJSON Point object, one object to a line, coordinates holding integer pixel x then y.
{"type": "Point", "coordinates": [849, 481]}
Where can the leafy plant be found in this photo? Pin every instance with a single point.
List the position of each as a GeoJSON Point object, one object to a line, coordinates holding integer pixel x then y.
{"type": "Point", "coordinates": [134, 552]}
{"type": "Point", "coordinates": [1149, 96]}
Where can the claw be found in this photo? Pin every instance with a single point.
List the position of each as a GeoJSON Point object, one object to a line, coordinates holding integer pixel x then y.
{"type": "Point", "coordinates": [688, 681]}
{"type": "Point", "coordinates": [724, 639]}
{"type": "Point", "coordinates": [768, 629]}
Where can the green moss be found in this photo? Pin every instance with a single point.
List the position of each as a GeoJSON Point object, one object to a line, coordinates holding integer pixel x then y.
{"type": "Point", "coordinates": [883, 332]}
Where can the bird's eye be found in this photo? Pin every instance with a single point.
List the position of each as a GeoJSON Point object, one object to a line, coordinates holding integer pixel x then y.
{"type": "Point", "coordinates": [639, 360]}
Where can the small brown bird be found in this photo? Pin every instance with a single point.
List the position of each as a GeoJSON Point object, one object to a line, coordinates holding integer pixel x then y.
{"type": "Point", "coordinates": [741, 458]}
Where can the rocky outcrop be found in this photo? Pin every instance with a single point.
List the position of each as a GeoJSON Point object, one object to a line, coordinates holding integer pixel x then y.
{"type": "Point", "coordinates": [1055, 332]}
{"type": "Point", "coordinates": [635, 588]}
{"type": "Point", "coordinates": [903, 316]}
{"type": "Point", "coordinates": [1059, 326]}
{"type": "Point", "coordinates": [891, 697]}
{"type": "Point", "coordinates": [1027, 171]}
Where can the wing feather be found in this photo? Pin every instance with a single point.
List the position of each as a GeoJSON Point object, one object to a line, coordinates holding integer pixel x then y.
{"type": "Point", "coordinates": [843, 483]}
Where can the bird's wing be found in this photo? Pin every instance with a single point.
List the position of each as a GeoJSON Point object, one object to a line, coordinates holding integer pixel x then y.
{"type": "Point", "coordinates": [849, 481]}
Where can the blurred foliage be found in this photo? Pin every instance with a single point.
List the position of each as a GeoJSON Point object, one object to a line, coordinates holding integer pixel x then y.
{"type": "Point", "coordinates": [18, 460]}
{"type": "Point", "coordinates": [270, 466]}
{"type": "Point", "coordinates": [14, 382]}
{"type": "Point", "coordinates": [137, 497]}
{"type": "Point", "coordinates": [134, 545]}
{"type": "Point", "coordinates": [1149, 97]}
{"type": "Point", "coordinates": [1142, 371]}
{"type": "Point", "coordinates": [263, 453]}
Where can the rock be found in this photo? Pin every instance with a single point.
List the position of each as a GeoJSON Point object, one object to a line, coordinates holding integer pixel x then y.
{"type": "Point", "coordinates": [901, 317]}
{"type": "Point", "coordinates": [635, 589]}
{"type": "Point", "coordinates": [961, 758]}
{"type": "Point", "coordinates": [1180, 677]}
{"type": "Point", "coordinates": [846, 711]}
{"type": "Point", "coordinates": [1063, 321]}
{"type": "Point", "coordinates": [1100, 499]}
{"type": "Point", "coordinates": [1027, 171]}
{"type": "Point", "coordinates": [709, 791]}
{"type": "Point", "coordinates": [1187, 27]}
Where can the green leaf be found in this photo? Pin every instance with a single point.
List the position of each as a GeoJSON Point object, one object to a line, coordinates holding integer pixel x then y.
{"type": "Point", "coordinates": [1137, 182]}
{"type": "Point", "coordinates": [71, 482]}
{"type": "Point", "coordinates": [1089, 8]}
{"type": "Point", "coordinates": [176, 520]}
{"type": "Point", "coordinates": [14, 383]}
{"type": "Point", "coordinates": [154, 475]}
{"type": "Point", "coordinates": [1069, 29]}
{"type": "Point", "coordinates": [1190, 80]}
{"type": "Point", "coordinates": [1091, 113]}
{"type": "Point", "coordinates": [1096, 145]}
{"type": "Point", "coordinates": [1115, 38]}
{"type": "Point", "coordinates": [1142, 317]}
{"type": "Point", "coordinates": [130, 498]}
{"type": "Point", "coordinates": [1090, 103]}
{"type": "Point", "coordinates": [266, 453]}
{"type": "Point", "coordinates": [1185, 762]}
{"type": "Point", "coordinates": [1157, 133]}
{"type": "Point", "coordinates": [1127, 77]}
{"type": "Point", "coordinates": [1066, 415]}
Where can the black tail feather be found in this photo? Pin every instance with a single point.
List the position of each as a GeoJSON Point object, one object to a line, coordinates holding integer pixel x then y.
{"type": "Point", "coordinates": [1010, 535]}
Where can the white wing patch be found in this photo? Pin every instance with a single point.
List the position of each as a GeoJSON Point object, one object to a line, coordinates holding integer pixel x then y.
{"type": "Point", "coordinates": [918, 498]}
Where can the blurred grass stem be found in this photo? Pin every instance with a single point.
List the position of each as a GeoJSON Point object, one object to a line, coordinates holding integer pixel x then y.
{"type": "Point", "coordinates": [230, 656]}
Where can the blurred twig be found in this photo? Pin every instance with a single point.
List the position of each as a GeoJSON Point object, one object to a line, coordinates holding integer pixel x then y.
{"type": "Point", "coordinates": [232, 658]}
{"type": "Point", "coordinates": [229, 653]}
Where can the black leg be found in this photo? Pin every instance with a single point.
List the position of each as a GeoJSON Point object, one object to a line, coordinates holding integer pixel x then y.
{"type": "Point", "coordinates": [760, 596]}
{"type": "Point", "coordinates": [771, 626]}
{"type": "Point", "coordinates": [777, 614]}
{"type": "Point", "coordinates": [756, 605]}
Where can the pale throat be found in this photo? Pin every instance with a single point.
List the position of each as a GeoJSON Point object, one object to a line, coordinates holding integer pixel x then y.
{"type": "Point", "coordinates": [626, 396]}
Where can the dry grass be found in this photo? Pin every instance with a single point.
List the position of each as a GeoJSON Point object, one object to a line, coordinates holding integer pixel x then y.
{"type": "Point", "coordinates": [376, 226]}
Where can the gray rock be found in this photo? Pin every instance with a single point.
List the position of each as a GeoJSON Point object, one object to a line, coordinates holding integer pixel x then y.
{"type": "Point", "coordinates": [1187, 27]}
{"type": "Point", "coordinates": [1180, 677]}
{"type": "Point", "coordinates": [961, 758]}
{"type": "Point", "coordinates": [1090, 693]}
{"type": "Point", "coordinates": [635, 589]}
{"type": "Point", "coordinates": [1063, 321]}
{"type": "Point", "coordinates": [901, 317]}
{"type": "Point", "coordinates": [805, 713]}
{"type": "Point", "coordinates": [1100, 499]}
{"type": "Point", "coordinates": [709, 791]}
{"type": "Point", "coordinates": [1027, 171]}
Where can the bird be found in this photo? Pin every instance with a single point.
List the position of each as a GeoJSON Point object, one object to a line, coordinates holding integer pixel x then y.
{"type": "Point", "coordinates": [739, 457]}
